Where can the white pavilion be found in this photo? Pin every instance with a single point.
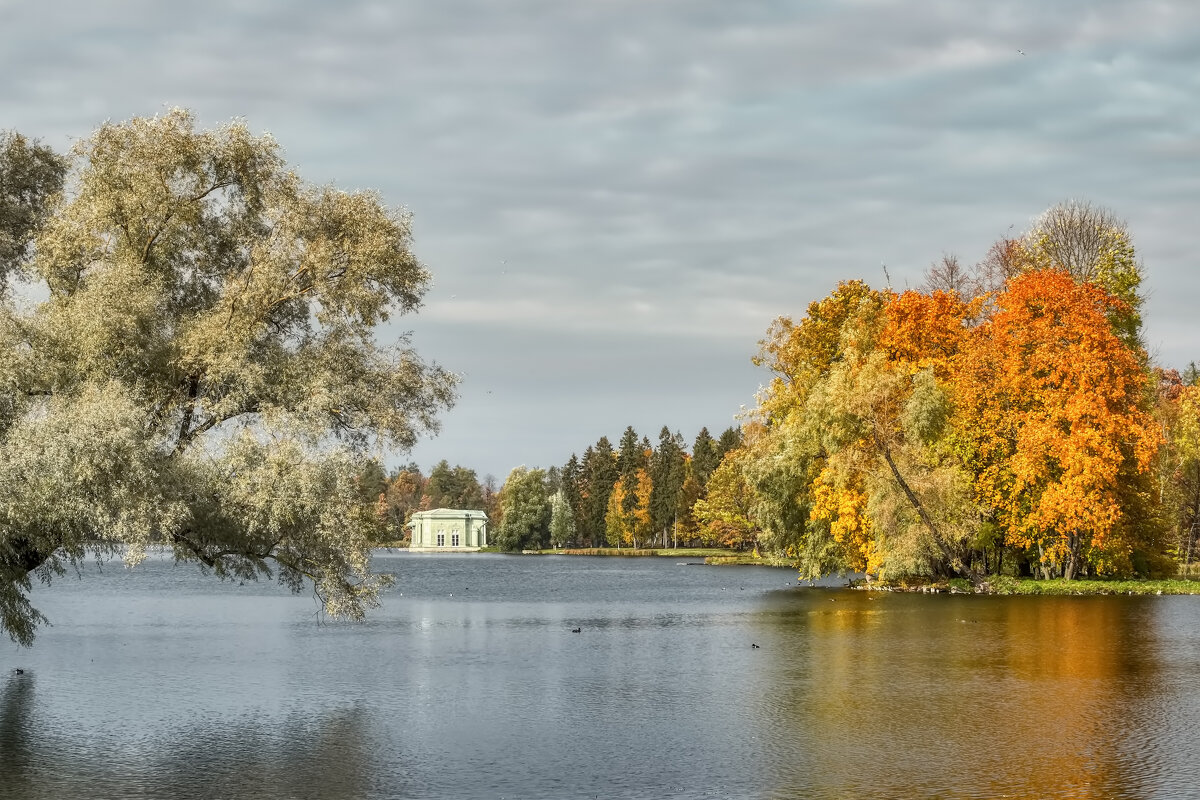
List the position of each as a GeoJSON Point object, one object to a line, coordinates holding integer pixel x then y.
{"type": "Point", "coordinates": [448, 530]}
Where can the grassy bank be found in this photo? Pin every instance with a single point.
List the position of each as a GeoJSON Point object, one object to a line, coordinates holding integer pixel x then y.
{"type": "Point", "coordinates": [687, 553]}
{"type": "Point", "coordinates": [749, 559]}
{"type": "Point", "coordinates": [1028, 586]}
{"type": "Point", "coordinates": [708, 555]}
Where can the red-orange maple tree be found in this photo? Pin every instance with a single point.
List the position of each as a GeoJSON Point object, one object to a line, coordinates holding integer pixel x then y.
{"type": "Point", "coordinates": [1052, 407]}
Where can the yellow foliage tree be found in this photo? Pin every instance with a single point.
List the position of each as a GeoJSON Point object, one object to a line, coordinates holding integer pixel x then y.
{"type": "Point", "coordinates": [725, 514]}
{"type": "Point", "coordinates": [844, 508]}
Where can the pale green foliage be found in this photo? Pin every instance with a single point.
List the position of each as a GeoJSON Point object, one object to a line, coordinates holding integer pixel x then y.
{"type": "Point", "coordinates": [75, 474]}
{"type": "Point", "coordinates": [1185, 483]}
{"type": "Point", "coordinates": [525, 510]}
{"type": "Point", "coordinates": [778, 468]}
{"type": "Point", "coordinates": [908, 545]}
{"type": "Point", "coordinates": [30, 174]}
{"type": "Point", "coordinates": [204, 372]}
{"type": "Point", "coordinates": [197, 255]}
{"type": "Point", "coordinates": [888, 426]}
{"type": "Point", "coordinates": [817, 553]}
{"type": "Point", "coordinates": [84, 466]}
{"type": "Point", "coordinates": [1089, 242]}
{"type": "Point", "coordinates": [927, 410]}
{"type": "Point", "coordinates": [302, 507]}
{"type": "Point", "coordinates": [562, 519]}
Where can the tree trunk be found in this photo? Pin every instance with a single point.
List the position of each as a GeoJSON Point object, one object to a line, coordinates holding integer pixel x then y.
{"type": "Point", "coordinates": [1043, 567]}
{"type": "Point", "coordinates": [1195, 524]}
{"type": "Point", "coordinates": [948, 557]}
{"type": "Point", "coordinates": [20, 558]}
{"type": "Point", "coordinates": [1072, 557]}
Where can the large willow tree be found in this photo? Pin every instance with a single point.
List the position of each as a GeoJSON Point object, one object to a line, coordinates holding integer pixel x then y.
{"type": "Point", "coordinates": [188, 358]}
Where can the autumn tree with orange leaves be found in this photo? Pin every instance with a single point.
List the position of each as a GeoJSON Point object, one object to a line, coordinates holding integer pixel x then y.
{"type": "Point", "coordinates": [1051, 413]}
{"type": "Point", "coordinates": [935, 433]}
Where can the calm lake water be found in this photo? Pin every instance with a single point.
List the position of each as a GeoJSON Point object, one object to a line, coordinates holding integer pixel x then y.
{"type": "Point", "coordinates": [469, 683]}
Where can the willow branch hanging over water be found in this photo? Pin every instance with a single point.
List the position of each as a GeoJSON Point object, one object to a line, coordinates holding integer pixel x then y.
{"type": "Point", "coordinates": [200, 368]}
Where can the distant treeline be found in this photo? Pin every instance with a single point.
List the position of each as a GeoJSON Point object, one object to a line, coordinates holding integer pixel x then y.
{"type": "Point", "coordinates": [1005, 418]}
{"type": "Point", "coordinates": [634, 495]}
{"type": "Point", "coordinates": [406, 490]}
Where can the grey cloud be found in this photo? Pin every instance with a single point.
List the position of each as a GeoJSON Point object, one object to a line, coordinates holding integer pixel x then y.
{"type": "Point", "coordinates": [539, 396]}
{"type": "Point", "coordinates": [674, 173]}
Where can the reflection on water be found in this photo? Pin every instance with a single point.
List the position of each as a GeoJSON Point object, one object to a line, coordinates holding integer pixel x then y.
{"type": "Point", "coordinates": [319, 757]}
{"type": "Point", "coordinates": [469, 682]}
{"type": "Point", "coordinates": [908, 695]}
{"type": "Point", "coordinates": [16, 761]}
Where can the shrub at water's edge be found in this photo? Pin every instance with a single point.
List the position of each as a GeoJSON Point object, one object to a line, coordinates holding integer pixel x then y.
{"type": "Point", "coordinates": [1005, 585]}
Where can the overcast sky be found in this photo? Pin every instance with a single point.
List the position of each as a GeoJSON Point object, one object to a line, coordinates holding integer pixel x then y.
{"type": "Point", "coordinates": [616, 197]}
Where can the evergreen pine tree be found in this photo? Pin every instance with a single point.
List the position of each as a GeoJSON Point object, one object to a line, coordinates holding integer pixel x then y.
{"type": "Point", "coordinates": [666, 481]}
{"type": "Point", "coordinates": [572, 487]}
{"type": "Point", "coordinates": [731, 439]}
{"type": "Point", "coordinates": [600, 474]}
{"type": "Point", "coordinates": [704, 457]}
{"type": "Point", "coordinates": [439, 488]}
{"type": "Point", "coordinates": [630, 458]}
{"type": "Point", "coordinates": [628, 452]}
